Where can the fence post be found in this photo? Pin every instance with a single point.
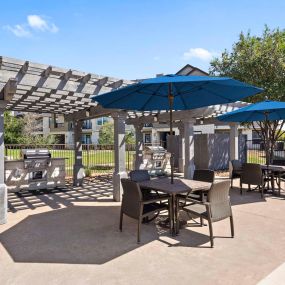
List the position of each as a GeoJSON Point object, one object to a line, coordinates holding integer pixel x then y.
{"type": "Point", "coordinates": [87, 162]}
{"type": "Point", "coordinates": [128, 156]}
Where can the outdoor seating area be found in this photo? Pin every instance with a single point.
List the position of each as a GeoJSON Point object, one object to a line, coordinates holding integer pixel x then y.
{"type": "Point", "coordinates": [153, 206]}
{"type": "Point", "coordinates": [142, 142]}
{"type": "Point", "coordinates": [266, 178]}
{"type": "Point", "coordinates": [77, 228]}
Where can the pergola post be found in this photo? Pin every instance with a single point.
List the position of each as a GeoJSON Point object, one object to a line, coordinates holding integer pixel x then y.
{"type": "Point", "coordinates": [46, 127]}
{"type": "Point", "coordinates": [234, 151]}
{"type": "Point", "coordinates": [181, 159]}
{"type": "Point", "coordinates": [120, 154]}
{"type": "Point", "coordinates": [3, 188]}
{"type": "Point", "coordinates": [139, 146]}
{"type": "Point", "coordinates": [189, 149]}
{"type": "Point", "coordinates": [78, 169]}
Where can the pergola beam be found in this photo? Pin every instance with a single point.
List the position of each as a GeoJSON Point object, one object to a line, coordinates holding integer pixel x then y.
{"type": "Point", "coordinates": [90, 113]}
{"type": "Point", "coordinates": [33, 77]}
{"type": "Point", "coordinates": [24, 68]}
{"type": "Point", "coordinates": [10, 89]}
{"type": "Point", "coordinates": [46, 73]}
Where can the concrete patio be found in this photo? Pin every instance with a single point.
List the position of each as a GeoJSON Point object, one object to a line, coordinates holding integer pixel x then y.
{"type": "Point", "coordinates": [71, 236]}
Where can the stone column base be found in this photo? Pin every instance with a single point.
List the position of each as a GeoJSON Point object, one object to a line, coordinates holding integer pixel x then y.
{"type": "Point", "coordinates": [181, 163]}
{"type": "Point", "coordinates": [117, 186]}
{"type": "Point", "coordinates": [3, 204]}
{"type": "Point", "coordinates": [78, 175]}
{"type": "Point", "coordinates": [189, 171]}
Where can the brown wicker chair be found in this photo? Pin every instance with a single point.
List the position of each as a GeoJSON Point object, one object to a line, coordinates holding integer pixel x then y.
{"type": "Point", "coordinates": [217, 207]}
{"type": "Point", "coordinates": [134, 206]}
{"type": "Point", "coordinates": [143, 175]}
{"type": "Point", "coordinates": [205, 175]}
{"type": "Point", "coordinates": [139, 175]}
{"type": "Point", "coordinates": [252, 175]}
{"type": "Point", "coordinates": [235, 170]}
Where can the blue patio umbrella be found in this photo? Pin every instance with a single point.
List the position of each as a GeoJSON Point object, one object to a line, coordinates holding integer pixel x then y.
{"type": "Point", "coordinates": [176, 92]}
{"type": "Point", "coordinates": [262, 111]}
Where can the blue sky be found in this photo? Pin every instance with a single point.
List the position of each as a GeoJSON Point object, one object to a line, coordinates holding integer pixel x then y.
{"type": "Point", "coordinates": [128, 38]}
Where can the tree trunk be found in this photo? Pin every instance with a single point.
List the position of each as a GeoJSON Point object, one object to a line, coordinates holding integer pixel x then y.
{"type": "Point", "coordinates": [269, 132]}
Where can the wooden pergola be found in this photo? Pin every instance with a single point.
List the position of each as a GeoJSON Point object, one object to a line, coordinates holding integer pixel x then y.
{"type": "Point", "coordinates": [39, 88]}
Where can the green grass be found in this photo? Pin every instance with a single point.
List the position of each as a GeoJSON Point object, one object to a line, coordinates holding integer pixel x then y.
{"type": "Point", "coordinates": [256, 156]}
{"type": "Point", "coordinates": [96, 160]}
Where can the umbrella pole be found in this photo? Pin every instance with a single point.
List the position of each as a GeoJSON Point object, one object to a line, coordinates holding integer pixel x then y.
{"type": "Point", "coordinates": [170, 98]}
{"type": "Point", "coordinates": [267, 140]}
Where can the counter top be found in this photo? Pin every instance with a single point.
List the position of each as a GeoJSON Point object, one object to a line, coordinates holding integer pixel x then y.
{"type": "Point", "coordinates": [22, 160]}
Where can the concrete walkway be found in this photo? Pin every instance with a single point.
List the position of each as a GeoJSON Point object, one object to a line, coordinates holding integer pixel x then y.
{"type": "Point", "coordinates": [72, 237]}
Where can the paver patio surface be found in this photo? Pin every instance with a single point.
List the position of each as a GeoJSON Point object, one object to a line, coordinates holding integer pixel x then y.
{"type": "Point", "coordinates": [71, 236]}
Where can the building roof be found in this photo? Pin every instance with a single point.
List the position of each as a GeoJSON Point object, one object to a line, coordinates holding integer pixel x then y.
{"type": "Point", "coordinates": [189, 69]}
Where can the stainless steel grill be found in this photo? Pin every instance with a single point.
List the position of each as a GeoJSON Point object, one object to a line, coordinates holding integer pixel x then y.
{"type": "Point", "coordinates": [36, 158]}
{"type": "Point", "coordinates": [35, 170]}
{"type": "Point", "coordinates": [36, 161]}
{"type": "Point", "coordinates": [156, 160]}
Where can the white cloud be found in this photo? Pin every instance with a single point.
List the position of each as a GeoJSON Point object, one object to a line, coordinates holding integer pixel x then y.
{"type": "Point", "coordinates": [36, 22]}
{"type": "Point", "coordinates": [19, 31]}
{"type": "Point", "coordinates": [200, 53]}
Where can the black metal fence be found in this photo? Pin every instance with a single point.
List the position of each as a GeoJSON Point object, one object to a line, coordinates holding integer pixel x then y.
{"type": "Point", "coordinates": [256, 154]}
{"type": "Point", "coordinates": [97, 159]}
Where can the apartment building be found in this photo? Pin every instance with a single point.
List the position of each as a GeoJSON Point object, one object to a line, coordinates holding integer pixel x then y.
{"type": "Point", "coordinates": [55, 125]}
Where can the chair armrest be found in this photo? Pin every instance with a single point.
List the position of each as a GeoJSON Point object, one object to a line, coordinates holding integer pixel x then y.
{"type": "Point", "coordinates": [145, 202]}
{"type": "Point", "coordinates": [196, 201]}
{"type": "Point", "coordinates": [188, 199]}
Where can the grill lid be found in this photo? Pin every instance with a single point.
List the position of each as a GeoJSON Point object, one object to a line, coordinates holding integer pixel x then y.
{"type": "Point", "coordinates": [155, 149]}
{"type": "Point", "coordinates": [35, 153]}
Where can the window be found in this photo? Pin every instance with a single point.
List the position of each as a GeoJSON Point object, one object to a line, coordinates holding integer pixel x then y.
{"type": "Point", "coordinates": [86, 139]}
{"type": "Point", "coordinates": [102, 121]}
{"type": "Point", "coordinates": [147, 138]}
{"type": "Point", "coordinates": [87, 124]}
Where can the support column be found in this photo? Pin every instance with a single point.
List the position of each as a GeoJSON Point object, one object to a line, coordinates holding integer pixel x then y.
{"type": "Point", "coordinates": [46, 129]}
{"type": "Point", "coordinates": [139, 146]}
{"type": "Point", "coordinates": [3, 188]}
{"type": "Point", "coordinates": [181, 159]}
{"type": "Point", "coordinates": [189, 149]}
{"type": "Point", "coordinates": [120, 154]}
{"type": "Point", "coordinates": [154, 140]}
{"type": "Point", "coordinates": [78, 169]}
{"type": "Point", "coordinates": [234, 151]}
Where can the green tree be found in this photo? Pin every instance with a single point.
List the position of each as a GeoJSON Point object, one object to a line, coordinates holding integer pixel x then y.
{"type": "Point", "coordinates": [106, 134]}
{"type": "Point", "coordinates": [33, 123]}
{"type": "Point", "coordinates": [13, 127]}
{"type": "Point", "coordinates": [130, 137]}
{"type": "Point", "coordinates": [258, 60]}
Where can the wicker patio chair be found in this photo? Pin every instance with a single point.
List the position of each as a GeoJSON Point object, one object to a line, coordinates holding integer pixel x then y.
{"type": "Point", "coordinates": [252, 175]}
{"type": "Point", "coordinates": [139, 175]}
{"type": "Point", "coordinates": [235, 170]}
{"type": "Point", "coordinates": [217, 207]}
{"type": "Point", "coordinates": [134, 206]}
{"type": "Point", "coordinates": [205, 175]}
{"type": "Point", "coordinates": [143, 175]}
